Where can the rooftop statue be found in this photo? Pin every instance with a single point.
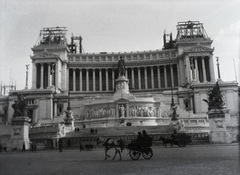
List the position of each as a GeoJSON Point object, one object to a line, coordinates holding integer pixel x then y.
{"type": "Point", "coordinates": [215, 98]}
{"type": "Point", "coordinates": [121, 67]}
{"type": "Point", "coordinates": [20, 106]}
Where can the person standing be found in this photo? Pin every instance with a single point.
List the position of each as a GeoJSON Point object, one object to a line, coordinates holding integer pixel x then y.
{"type": "Point", "coordinates": [80, 146]}
{"type": "Point", "coordinates": [60, 145]}
{"type": "Point", "coordinates": [23, 147]}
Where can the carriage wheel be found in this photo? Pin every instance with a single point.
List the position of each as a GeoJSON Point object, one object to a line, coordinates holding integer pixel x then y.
{"type": "Point", "coordinates": [147, 153]}
{"type": "Point", "coordinates": [181, 143]}
{"type": "Point", "coordinates": [134, 153]}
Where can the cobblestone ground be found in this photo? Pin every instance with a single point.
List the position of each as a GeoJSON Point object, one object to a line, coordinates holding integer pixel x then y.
{"type": "Point", "coordinates": [191, 160]}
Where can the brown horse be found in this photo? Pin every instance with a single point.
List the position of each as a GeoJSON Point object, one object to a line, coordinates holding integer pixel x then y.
{"type": "Point", "coordinates": [109, 143]}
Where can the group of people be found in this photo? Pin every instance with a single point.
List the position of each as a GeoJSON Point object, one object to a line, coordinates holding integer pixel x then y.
{"type": "Point", "coordinates": [143, 139]}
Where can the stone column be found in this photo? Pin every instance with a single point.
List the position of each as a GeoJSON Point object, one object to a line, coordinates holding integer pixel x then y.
{"type": "Point", "coordinates": [113, 79]}
{"type": "Point", "coordinates": [159, 77]}
{"type": "Point", "coordinates": [165, 76]}
{"type": "Point", "coordinates": [133, 83]}
{"type": "Point", "coordinates": [204, 70]}
{"type": "Point", "coordinates": [107, 79]}
{"type": "Point", "coordinates": [211, 67]}
{"type": "Point", "coordinates": [152, 77]}
{"type": "Point", "coordinates": [49, 74]}
{"type": "Point", "coordinates": [145, 75]}
{"type": "Point", "coordinates": [80, 77]}
{"type": "Point", "coordinates": [139, 78]}
{"type": "Point", "coordinates": [94, 79]}
{"type": "Point", "coordinates": [41, 87]}
{"type": "Point", "coordinates": [100, 79]}
{"type": "Point", "coordinates": [87, 79]}
{"type": "Point", "coordinates": [187, 70]}
{"type": "Point", "coordinates": [74, 79]}
{"type": "Point", "coordinates": [178, 75]}
{"type": "Point", "coordinates": [56, 75]}
{"type": "Point", "coordinates": [172, 78]}
{"type": "Point", "coordinates": [196, 69]}
{"type": "Point", "coordinates": [126, 73]}
{"type": "Point", "coordinates": [34, 75]}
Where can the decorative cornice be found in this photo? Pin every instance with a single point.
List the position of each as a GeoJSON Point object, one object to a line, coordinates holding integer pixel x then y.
{"type": "Point", "coordinates": [198, 48]}
{"type": "Point", "coordinates": [128, 64]}
{"type": "Point", "coordinates": [45, 54]}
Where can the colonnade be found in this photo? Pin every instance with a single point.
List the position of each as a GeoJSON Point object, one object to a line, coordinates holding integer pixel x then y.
{"type": "Point", "coordinates": [199, 68]}
{"type": "Point", "coordinates": [103, 79]}
{"type": "Point", "coordinates": [43, 75]}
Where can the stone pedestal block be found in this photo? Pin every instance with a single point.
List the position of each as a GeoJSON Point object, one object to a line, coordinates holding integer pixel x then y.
{"type": "Point", "coordinates": [20, 133]}
{"type": "Point", "coordinates": [217, 125]}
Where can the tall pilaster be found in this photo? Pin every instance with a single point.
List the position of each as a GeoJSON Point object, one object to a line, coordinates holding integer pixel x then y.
{"type": "Point", "coordinates": [159, 77]}
{"type": "Point", "coordinates": [152, 77]}
{"type": "Point", "coordinates": [178, 75]}
{"type": "Point", "coordinates": [211, 67]}
{"type": "Point", "coordinates": [196, 69]}
{"type": "Point", "coordinates": [80, 81]}
{"type": "Point", "coordinates": [204, 70]}
{"type": "Point", "coordinates": [94, 80]}
{"type": "Point", "coordinates": [113, 79]}
{"type": "Point", "coordinates": [41, 87]}
{"type": "Point", "coordinates": [133, 84]}
{"type": "Point", "coordinates": [56, 75]}
{"type": "Point", "coordinates": [34, 75]}
{"type": "Point", "coordinates": [49, 75]}
{"type": "Point", "coordinates": [165, 76]}
{"type": "Point", "coordinates": [145, 77]}
{"type": "Point", "coordinates": [172, 78]}
{"type": "Point", "coordinates": [100, 79]}
{"type": "Point", "coordinates": [107, 79]}
{"type": "Point", "coordinates": [87, 79]}
{"type": "Point", "coordinates": [187, 70]}
{"type": "Point", "coordinates": [74, 79]}
{"type": "Point", "coordinates": [139, 78]}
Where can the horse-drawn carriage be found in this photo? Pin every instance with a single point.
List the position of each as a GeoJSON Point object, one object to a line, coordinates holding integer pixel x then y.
{"type": "Point", "coordinates": [136, 149]}
{"type": "Point", "coordinates": [180, 139]}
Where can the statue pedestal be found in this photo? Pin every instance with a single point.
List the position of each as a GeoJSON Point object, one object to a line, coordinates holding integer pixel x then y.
{"type": "Point", "coordinates": [217, 123]}
{"type": "Point", "coordinates": [20, 133]}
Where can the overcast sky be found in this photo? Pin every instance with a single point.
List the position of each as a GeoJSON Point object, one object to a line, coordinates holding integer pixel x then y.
{"type": "Point", "coordinates": [114, 26]}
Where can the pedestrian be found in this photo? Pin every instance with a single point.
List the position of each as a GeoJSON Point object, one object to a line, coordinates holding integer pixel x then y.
{"type": "Point", "coordinates": [147, 139]}
{"type": "Point", "coordinates": [80, 146]}
{"type": "Point", "coordinates": [23, 147]}
{"type": "Point", "coordinates": [60, 145]}
{"type": "Point", "coordinates": [0, 148]}
{"type": "Point", "coordinates": [32, 146]}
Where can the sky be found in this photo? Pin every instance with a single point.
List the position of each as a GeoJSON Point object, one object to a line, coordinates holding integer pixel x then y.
{"type": "Point", "coordinates": [114, 26]}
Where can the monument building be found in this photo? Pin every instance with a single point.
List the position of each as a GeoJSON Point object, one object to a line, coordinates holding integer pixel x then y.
{"type": "Point", "coordinates": [125, 89]}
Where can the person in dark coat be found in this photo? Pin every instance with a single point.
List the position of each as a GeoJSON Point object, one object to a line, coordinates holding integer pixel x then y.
{"type": "Point", "coordinates": [60, 145]}
{"type": "Point", "coordinates": [80, 146]}
{"type": "Point", "coordinates": [146, 139]}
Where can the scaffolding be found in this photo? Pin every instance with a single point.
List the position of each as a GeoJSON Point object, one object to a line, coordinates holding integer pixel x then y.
{"type": "Point", "coordinates": [52, 35]}
{"type": "Point", "coordinates": [5, 89]}
{"type": "Point", "coordinates": [191, 29]}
